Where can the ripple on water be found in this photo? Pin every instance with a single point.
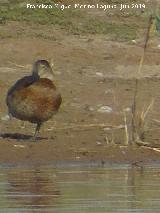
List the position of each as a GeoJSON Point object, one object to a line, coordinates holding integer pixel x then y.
{"type": "Point", "coordinates": [77, 189]}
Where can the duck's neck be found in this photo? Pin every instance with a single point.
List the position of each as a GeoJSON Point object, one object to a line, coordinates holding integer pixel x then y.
{"type": "Point", "coordinates": [35, 70]}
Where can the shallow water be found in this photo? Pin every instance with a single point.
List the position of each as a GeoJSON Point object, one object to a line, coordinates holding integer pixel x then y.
{"type": "Point", "coordinates": [79, 189]}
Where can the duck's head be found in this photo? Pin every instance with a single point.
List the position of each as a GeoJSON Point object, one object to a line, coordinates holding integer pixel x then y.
{"type": "Point", "coordinates": [42, 69]}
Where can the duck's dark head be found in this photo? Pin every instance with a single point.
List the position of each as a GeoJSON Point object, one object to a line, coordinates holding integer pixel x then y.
{"type": "Point", "coordinates": [43, 69]}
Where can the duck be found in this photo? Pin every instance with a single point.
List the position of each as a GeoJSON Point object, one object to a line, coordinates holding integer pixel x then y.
{"type": "Point", "coordinates": [34, 98]}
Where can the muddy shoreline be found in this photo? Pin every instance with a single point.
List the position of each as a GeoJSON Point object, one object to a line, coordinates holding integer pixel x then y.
{"type": "Point", "coordinates": [44, 153]}
{"type": "Point", "coordinates": [97, 82]}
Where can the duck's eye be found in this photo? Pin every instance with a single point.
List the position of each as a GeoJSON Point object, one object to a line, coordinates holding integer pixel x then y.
{"type": "Point", "coordinates": [42, 67]}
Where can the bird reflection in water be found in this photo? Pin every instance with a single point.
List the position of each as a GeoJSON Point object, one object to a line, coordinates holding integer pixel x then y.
{"type": "Point", "coordinates": [32, 188]}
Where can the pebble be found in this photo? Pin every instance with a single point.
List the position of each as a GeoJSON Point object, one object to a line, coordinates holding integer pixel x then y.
{"type": "Point", "coordinates": [108, 91]}
{"type": "Point", "coordinates": [134, 41]}
{"type": "Point", "coordinates": [105, 109]}
{"type": "Point", "coordinates": [5, 118]}
{"type": "Point", "coordinates": [99, 74]}
{"type": "Point", "coordinates": [128, 109]}
{"type": "Point", "coordinates": [98, 143]}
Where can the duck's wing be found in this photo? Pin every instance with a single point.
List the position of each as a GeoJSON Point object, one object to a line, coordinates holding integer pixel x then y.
{"type": "Point", "coordinates": [21, 83]}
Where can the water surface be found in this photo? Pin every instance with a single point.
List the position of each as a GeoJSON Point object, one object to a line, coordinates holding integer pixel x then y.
{"type": "Point", "coordinates": [121, 189]}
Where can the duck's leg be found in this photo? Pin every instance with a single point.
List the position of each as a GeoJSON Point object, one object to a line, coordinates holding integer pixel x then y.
{"type": "Point", "coordinates": [37, 131]}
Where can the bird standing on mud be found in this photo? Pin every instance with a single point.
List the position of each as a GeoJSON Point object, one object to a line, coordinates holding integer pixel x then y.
{"type": "Point", "coordinates": [34, 98]}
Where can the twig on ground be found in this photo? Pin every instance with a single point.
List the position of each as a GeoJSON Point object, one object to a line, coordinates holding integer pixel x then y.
{"type": "Point", "coordinates": [147, 145]}
{"type": "Point", "coordinates": [86, 126]}
{"type": "Point", "coordinates": [19, 65]}
{"type": "Point", "coordinates": [151, 148]}
{"type": "Point", "coordinates": [126, 130]}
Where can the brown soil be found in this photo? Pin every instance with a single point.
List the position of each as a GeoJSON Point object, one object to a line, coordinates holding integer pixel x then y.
{"type": "Point", "coordinates": [91, 72]}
